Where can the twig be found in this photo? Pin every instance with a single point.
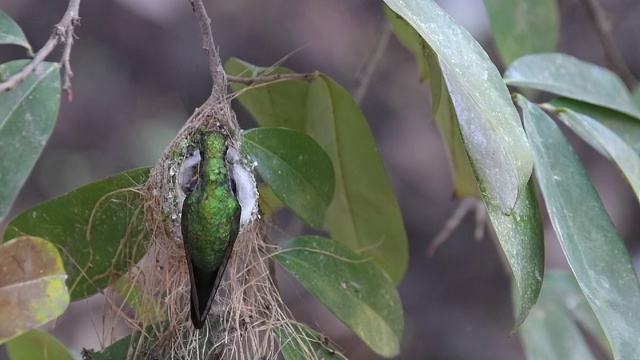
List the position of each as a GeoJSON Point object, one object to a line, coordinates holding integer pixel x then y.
{"type": "Point", "coordinates": [215, 65]}
{"type": "Point", "coordinates": [364, 76]}
{"type": "Point", "coordinates": [467, 205]}
{"type": "Point", "coordinates": [66, 55]}
{"type": "Point", "coordinates": [603, 26]}
{"type": "Point", "coordinates": [62, 33]}
{"type": "Point", "coordinates": [270, 78]}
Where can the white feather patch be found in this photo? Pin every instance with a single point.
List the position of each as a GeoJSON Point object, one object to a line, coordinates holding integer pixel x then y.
{"type": "Point", "coordinates": [189, 169]}
{"type": "Point", "coordinates": [246, 193]}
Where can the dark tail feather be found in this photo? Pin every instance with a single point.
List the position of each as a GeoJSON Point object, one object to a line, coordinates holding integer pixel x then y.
{"type": "Point", "coordinates": [198, 318]}
{"type": "Point", "coordinates": [204, 285]}
{"type": "Point", "coordinates": [203, 291]}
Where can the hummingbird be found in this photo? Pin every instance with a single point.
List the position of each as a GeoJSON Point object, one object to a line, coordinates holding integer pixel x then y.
{"type": "Point", "coordinates": [210, 223]}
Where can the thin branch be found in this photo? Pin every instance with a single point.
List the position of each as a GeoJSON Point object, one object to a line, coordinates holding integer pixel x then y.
{"type": "Point", "coordinates": [271, 78]}
{"type": "Point", "coordinates": [467, 205]}
{"type": "Point", "coordinates": [215, 65]}
{"type": "Point", "coordinates": [62, 33]}
{"type": "Point", "coordinates": [603, 26]}
{"type": "Point", "coordinates": [364, 77]}
{"type": "Point", "coordinates": [66, 55]}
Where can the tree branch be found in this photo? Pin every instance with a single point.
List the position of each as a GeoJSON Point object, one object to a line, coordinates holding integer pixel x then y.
{"type": "Point", "coordinates": [219, 86]}
{"type": "Point", "coordinates": [467, 205]}
{"type": "Point", "coordinates": [62, 33]}
{"type": "Point", "coordinates": [603, 26]}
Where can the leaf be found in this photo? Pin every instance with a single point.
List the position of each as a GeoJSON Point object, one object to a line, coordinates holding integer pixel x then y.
{"type": "Point", "coordinates": [443, 111]}
{"type": "Point", "coordinates": [32, 289]}
{"type": "Point", "coordinates": [567, 76]}
{"type": "Point", "coordinates": [522, 240]}
{"type": "Point", "coordinates": [354, 289]}
{"type": "Point", "coordinates": [146, 345]}
{"type": "Point", "coordinates": [635, 96]}
{"type": "Point", "coordinates": [147, 308]}
{"type": "Point", "coordinates": [441, 105]}
{"type": "Point", "coordinates": [364, 213]}
{"type": "Point", "coordinates": [10, 33]}
{"type": "Point", "coordinates": [276, 104]}
{"type": "Point", "coordinates": [595, 252]}
{"type": "Point", "coordinates": [268, 201]}
{"type": "Point", "coordinates": [298, 342]}
{"type": "Point", "coordinates": [27, 116]}
{"type": "Point", "coordinates": [98, 228]}
{"type": "Point", "coordinates": [37, 345]}
{"type": "Point", "coordinates": [117, 351]}
{"type": "Point", "coordinates": [150, 343]}
{"type": "Point", "coordinates": [567, 291]}
{"type": "Point", "coordinates": [519, 232]}
{"type": "Point", "coordinates": [551, 332]}
{"type": "Point", "coordinates": [410, 38]}
{"type": "Point", "coordinates": [607, 143]}
{"type": "Point", "coordinates": [522, 27]}
{"type": "Point", "coordinates": [489, 123]}
{"type": "Point", "coordinates": [625, 126]}
{"type": "Point", "coordinates": [295, 167]}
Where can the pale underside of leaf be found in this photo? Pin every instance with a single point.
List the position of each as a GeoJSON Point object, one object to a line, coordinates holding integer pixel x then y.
{"type": "Point", "coordinates": [608, 144]}
{"type": "Point", "coordinates": [489, 124]}
{"type": "Point", "coordinates": [573, 78]}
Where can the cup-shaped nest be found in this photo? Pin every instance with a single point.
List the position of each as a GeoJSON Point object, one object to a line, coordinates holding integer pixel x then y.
{"type": "Point", "coordinates": [247, 306]}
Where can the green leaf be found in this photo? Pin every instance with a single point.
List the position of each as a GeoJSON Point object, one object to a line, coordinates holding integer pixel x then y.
{"type": "Point", "coordinates": [148, 346]}
{"type": "Point", "coordinates": [410, 38]}
{"type": "Point", "coordinates": [520, 231]}
{"type": "Point", "coordinates": [567, 76]}
{"type": "Point", "coordinates": [489, 123]}
{"type": "Point", "coordinates": [464, 180]}
{"type": "Point", "coordinates": [147, 308]}
{"type": "Point", "coordinates": [275, 104]}
{"type": "Point", "coordinates": [522, 27]}
{"type": "Point", "coordinates": [32, 289]}
{"type": "Point", "coordinates": [268, 201]}
{"type": "Point", "coordinates": [10, 33]}
{"type": "Point", "coordinates": [299, 342]}
{"type": "Point", "coordinates": [354, 289]}
{"type": "Point", "coordinates": [27, 116]}
{"type": "Point", "coordinates": [37, 345]}
{"type": "Point", "coordinates": [595, 252]}
{"type": "Point", "coordinates": [295, 167]}
{"type": "Point", "coordinates": [522, 240]}
{"type": "Point", "coordinates": [607, 143]}
{"type": "Point", "coordinates": [635, 96]}
{"type": "Point", "coordinates": [98, 227]}
{"type": "Point", "coordinates": [567, 291]}
{"type": "Point", "coordinates": [551, 331]}
{"type": "Point", "coordinates": [625, 126]}
{"type": "Point", "coordinates": [364, 213]}
{"type": "Point", "coordinates": [119, 350]}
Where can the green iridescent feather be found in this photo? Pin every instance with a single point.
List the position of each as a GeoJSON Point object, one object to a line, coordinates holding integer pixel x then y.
{"type": "Point", "coordinates": [210, 224]}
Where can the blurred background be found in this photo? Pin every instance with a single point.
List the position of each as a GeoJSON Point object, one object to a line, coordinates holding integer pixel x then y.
{"type": "Point", "coordinates": [140, 72]}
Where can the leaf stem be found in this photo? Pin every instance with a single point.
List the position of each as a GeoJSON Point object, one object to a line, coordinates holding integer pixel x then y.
{"type": "Point", "coordinates": [271, 78]}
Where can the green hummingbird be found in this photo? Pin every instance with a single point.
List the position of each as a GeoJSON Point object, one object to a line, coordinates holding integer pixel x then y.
{"type": "Point", "coordinates": [210, 224]}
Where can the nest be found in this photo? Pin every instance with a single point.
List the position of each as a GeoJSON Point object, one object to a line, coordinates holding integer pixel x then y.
{"type": "Point", "coordinates": [247, 307]}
